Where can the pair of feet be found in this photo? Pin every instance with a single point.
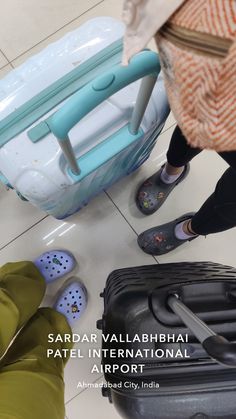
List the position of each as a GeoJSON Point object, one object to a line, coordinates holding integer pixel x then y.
{"type": "Point", "coordinates": [71, 300]}
{"type": "Point", "coordinates": [150, 197]}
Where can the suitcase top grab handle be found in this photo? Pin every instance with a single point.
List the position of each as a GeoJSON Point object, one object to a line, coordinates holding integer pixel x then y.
{"type": "Point", "coordinates": [94, 93]}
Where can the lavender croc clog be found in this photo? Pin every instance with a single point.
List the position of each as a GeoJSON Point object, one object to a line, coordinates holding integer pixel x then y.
{"type": "Point", "coordinates": [55, 264]}
{"type": "Point", "coordinates": [72, 300]}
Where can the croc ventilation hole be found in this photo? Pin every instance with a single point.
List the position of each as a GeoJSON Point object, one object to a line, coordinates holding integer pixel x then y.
{"type": "Point", "coordinates": [67, 305]}
{"type": "Point", "coordinates": [79, 297]}
{"type": "Point", "coordinates": [151, 203]}
{"type": "Point", "coordinates": [62, 263]}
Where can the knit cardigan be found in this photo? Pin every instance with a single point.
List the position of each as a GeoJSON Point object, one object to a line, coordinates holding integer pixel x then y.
{"type": "Point", "coordinates": [143, 18]}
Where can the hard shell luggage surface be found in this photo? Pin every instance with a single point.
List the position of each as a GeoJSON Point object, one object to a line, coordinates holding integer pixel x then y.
{"type": "Point", "coordinates": [70, 121]}
{"type": "Point", "coordinates": [178, 380]}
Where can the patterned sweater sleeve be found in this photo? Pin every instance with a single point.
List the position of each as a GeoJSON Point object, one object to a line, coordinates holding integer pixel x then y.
{"type": "Point", "coordinates": [143, 18]}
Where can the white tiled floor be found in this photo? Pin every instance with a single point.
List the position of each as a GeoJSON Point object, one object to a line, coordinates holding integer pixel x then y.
{"type": "Point", "coordinates": [33, 21]}
{"type": "Point", "coordinates": [3, 60]}
{"type": "Point", "coordinates": [4, 70]}
{"type": "Point", "coordinates": [103, 235]}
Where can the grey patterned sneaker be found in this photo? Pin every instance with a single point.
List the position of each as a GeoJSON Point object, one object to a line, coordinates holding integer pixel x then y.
{"type": "Point", "coordinates": [161, 239]}
{"type": "Point", "coordinates": [153, 192]}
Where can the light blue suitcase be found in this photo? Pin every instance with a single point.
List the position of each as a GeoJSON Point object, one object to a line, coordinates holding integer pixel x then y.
{"type": "Point", "coordinates": [73, 121]}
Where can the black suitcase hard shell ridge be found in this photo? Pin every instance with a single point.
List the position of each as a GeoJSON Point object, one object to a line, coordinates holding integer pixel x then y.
{"type": "Point", "coordinates": [135, 303]}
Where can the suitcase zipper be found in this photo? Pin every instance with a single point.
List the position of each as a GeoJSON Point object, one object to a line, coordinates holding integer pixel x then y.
{"type": "Point", "coordinates": [199, 42]}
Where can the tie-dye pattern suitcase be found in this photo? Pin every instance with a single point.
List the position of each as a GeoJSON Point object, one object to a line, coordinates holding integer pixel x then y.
{"type": "Point", "coordinates": [73, 121]}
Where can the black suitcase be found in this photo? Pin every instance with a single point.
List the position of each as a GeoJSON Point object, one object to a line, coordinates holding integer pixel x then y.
{"type": "Point", "coordinates": [154, 366]}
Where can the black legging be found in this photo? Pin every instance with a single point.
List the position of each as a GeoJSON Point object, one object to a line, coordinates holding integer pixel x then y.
{"type": "Point", "coordinates": [218, 213]}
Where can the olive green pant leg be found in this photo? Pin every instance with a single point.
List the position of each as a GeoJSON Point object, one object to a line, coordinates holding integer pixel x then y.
{"type": "Point", "coordinates": [31, 384]}
{"type": "Point", "coordinates": [22, 288]}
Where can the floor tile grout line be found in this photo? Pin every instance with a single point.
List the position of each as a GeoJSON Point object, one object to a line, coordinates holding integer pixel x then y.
{"type": "Point", "coordinates": [121, 213]}
{"type": "Point", "coordinates": [46, 216]}
{"type": "Point", "coordinates": [94, 382]}
{"type": "Point", "coordinates": [5, 65]}
{"type": "Point", "coordinates": [4, 55]}
{"type": "Point", "coordinates": [171, 126]}
{"type": "Point", "coordinates": [53, 33]}
{"type": "Point", "coordinates": [23, 232]}
{"type": "Point", "coordinates": [157, 260]}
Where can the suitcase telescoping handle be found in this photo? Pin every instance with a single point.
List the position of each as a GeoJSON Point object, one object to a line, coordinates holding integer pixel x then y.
{"type": "Point", "coordinates": [144, 65]}
{"type": "Point", "coordinates": [217, 347]}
